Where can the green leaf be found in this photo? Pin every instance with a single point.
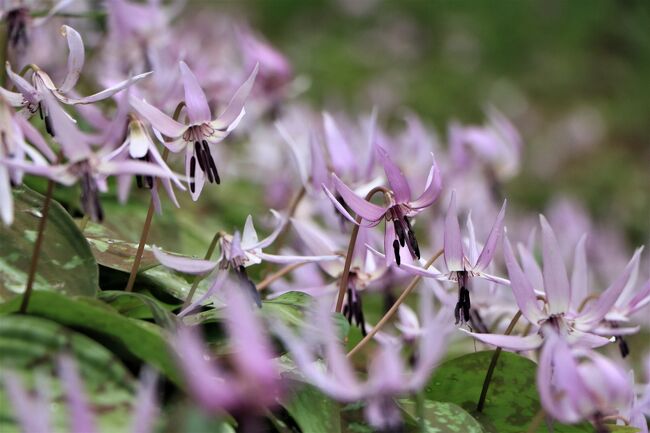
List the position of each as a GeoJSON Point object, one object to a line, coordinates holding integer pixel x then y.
{"type": "Point", "coordinates": [65, 265]}
{"type": "Point", "coordinates": [114, 253]}
{"type": "Point", "coordinates": [141, 339]}
{"type": "Point", "coordinates": [126, 302]}
{"type": "Point", "coordinates": [512, 400]}
{"type": "Point", "coordinates": [442, 417]}
{"type": "Point", "coordinates": [622, 429]}
{"type": "Point", "coordinates": [312, 410]}
{"type": "Point", "coordinates": [29, 345]}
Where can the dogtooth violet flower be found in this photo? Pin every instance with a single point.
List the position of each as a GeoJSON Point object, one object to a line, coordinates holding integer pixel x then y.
{"type": "Point", "coordinates": [396, 212]}
{"type": "Point", "coordinates": [567, 307]}
{"type": "Point", "coordinates": [199, 136]}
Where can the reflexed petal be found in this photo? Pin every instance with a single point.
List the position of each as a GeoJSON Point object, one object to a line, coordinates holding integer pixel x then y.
{"type": "Point", "coordinates": [287, 259]}
{"type": "Point", "coordinates": [157, 118]}
{"type": "Point", "coordinates": [183, 264]}
{"type": "Point", "coordinates": [295, 152]}
{"type": "Point", "coordinates": [104, 94]}
{"type": "Point", "coordinates": [492, 241]}
{"type": "Point", "coordinates": [319, 172]}
{"type": "Point", "coordinates": [279, 226]}
{"type": "Point", "coordinates": [137, 167]}
{"type": "Point", "coordinates": [398, 183]}
{"type": "Point", "coordinates": [432, 190]}
{"type": "Point", "coordinates": [13, 99]}
{"type": "Point", "coordinates": [6, 197]}
{"type": "Point", "coordinates": [343, 160]}
{"type": "Point", "coordinates": [521, 287]}
{"type": "Point", "coordinates": [198, 109]}
{"type": "Point", "coordinates": [35, 138]}
{"type": "Point", "coordinates": [76, 58]}
{"type": "Point", "coordinates": [214, 288]}
{"type": "Point", "coordinates": [510, 342]}
{"type": "Point", "coordinates": [235, 107]}
{"type": "Point", "coordinates": [72, 141]}
{"type": "Point", "coordinates": [579, 276]}
{"type": "Point", "coordinates": [453, 242]}
{"type": "Point", "coordinates": [317, 242]}
{"type": "Point", "coordinates": [146, 408]}
{"type": "Point", "coordinates": [24, 87]}
{"type": "Point", "coordinates": [81, 418]}
{"type": "Point", "coordinates": [556, 282]}
{"type": "Point", "coordinates": [31, 413]}
{"type": "Point", "coordinates": [363, 208]}
{"type": "Point", "coordinates": [249, 236]}
{"type": "Point", "coordinates": [531, 268]}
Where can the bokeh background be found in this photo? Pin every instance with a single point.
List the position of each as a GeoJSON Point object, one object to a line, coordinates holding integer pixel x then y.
{"type": "Point", "coordinates": [574, 77]}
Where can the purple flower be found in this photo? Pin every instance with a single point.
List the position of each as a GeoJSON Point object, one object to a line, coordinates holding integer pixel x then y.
{"type": "Point", "coordinates": [567, 306]}
{"type": "Point", "coordinates": [197, 139]}
{"type": "Point", "coordinates": [397, 211]}
{"type": "Point", "coordinates": [217, 388]}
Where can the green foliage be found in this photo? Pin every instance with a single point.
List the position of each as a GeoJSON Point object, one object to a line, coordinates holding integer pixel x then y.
{"type": "Point", "coordinates": [66, 264]}
{"type": "Point", "coordinates": [312, 410]}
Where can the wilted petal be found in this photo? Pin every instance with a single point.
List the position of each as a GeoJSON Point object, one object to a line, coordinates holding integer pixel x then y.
{"type": "Point", "coordinates": [398, 183]}
{"type": "Point", "coordinates": [432, 190]}
{"type": "Point", "coordinates": [183, 264]}
{"type": "Point", "coordinates": [521, 287]}
{"type": "Point", "coordinates": [492, 241]}
{"type": "Point", "coordinates": [235, 108]}
{"type": "Point", "coordinates": [363, 208]}
{"type": "Point", "coordinates": [556, 282]}
{"type": "Point", "coordinates": [453, 243]}
{"type": "Point", "coordinates": [76, 58]}
{"type": "Point", "coordinates": [157, 118]}
{"type": "Point", "coordinates": [198, 109]}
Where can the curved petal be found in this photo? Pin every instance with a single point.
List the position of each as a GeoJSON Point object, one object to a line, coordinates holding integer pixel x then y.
{"type": "Point", "coordinates": [157, 118]}
{"type": "Point", "coordinates": [556, 282]}
{"type": "Point", "coordinates": [579, 275]}
{"type": "Point", "coordinates": [35, 137]}
{"type": "Point", "coordinates": [198, 109]}
{"type": "Point", "coordinates": [76, 58]}
{"type": "Point", "coordinates": [453, 245]}
{"type": "Point", "coordinates": [339, 150]}
{"type": "Point", "coordinates": [286, 259]}
{"type": "Point", "coordinates": [81, 417]}
{"type": "Point", "coordinates": [398, 183]}
{"type": "Point", "coordinates": [510, 342]}
{"type": "Point", "coordinates": [249, 235]}
{"type": "Point", "coordinates": [279, 226]}
{"type": "Point", "coordinates": [183, 264]}
{"type": "Point", "coordinates": [24, 87]}
{"type": "Point", "coordinates": [492, 241]}
{"type": "Point", "coordinates": [104, 94]}
{"type": "Point", "coordinates": [432, 190]}
{"type": "Point", "coordinates": [363, 208]}
{"type": "Point", "coordinates": [521, 287]}
{"type": "Point", "coordinates": [235, 107]}
{"type": "Point", "coordinates": [6, 197]}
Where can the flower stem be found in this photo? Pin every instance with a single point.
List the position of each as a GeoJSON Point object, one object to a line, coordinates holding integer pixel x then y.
{"type": "Point", "coordinates": [198, 278]}
{"type": "Point", "coordinates": [143, 236]}
{"type": "Point", "coordinates": [278, 274]}
{"type": "Point", "coordinates": [391, 312]}
{"type": "Point", "coordinates": [343, 286]}
{"type": "Point", "coordinates": [37, 246]}
{"type": "Point", "coordinates": [419, 412]}
{"type": "Point", "coordinates": [537, 420]}
{"type": "Point", "coordinates": [493, 364]}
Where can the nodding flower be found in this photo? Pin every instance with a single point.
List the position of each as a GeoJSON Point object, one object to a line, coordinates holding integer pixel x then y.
{"type": "Point", "coordinates": [398, 210]}
{"type": "Point", "coordinates": [197, 139]}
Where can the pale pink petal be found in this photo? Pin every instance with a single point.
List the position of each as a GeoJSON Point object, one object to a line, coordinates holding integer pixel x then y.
{"type": "Point", "coordinates": [398, 183]}
{"type": "Point", "coordinates": [453, 242]}
{"type": "Point", "coordinates": [198, 109]}
{"type": "Point", "coordinates": [343, 160]}
{"type": "Point", "coordinates": [81, 417]}
{"type": "Point", "coordinates": [76, 58]}
{"type": "Point", "coordinates": [521, 287]}
{"type": "Point", "coordinates": [580, 275]}
{"type": "Point", "coordinates": [104, 94]}
{"type": "Point", "coordinates": [235, 107]}
{"type": "Point", "coordinates": [432, 190]}
{"type": "Point", "coordinates": [492, 241]}
{"type": "Point", "coordinates": [157, 118]}
{"type": "Point", "coordinates": [556, 282]}
{"type": "Point", "coordinates": [146, 408]}
{"type": "Point", "coordinates": [6, 197]}
{"type": "Point", "coordinates": [35, 138]}
{"type": "Point", "coordinates": [287, 259]}
{"type": "Point", "coordinates": [184, 264]}
{"type": "Point", "coordinates": [24, 87]}
{"type": "Point", "coordinates": [363, 208]}
{"type": "Point", "coordinates": [510, 342]}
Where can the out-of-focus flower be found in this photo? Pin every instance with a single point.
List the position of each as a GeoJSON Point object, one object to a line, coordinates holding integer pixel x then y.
{"type": "Point", "coordinates": [568, 308]}
{"type": "Point", "coordinates": [388, 376]}
{"type": "Point", "coordinates": [398, 210]}
{"type": "Point", "coordinates": [202, 133]}
{"type": "Point", "coordinates": [579, 384]}
{"type": "Point", "coordinates": [250, 383]}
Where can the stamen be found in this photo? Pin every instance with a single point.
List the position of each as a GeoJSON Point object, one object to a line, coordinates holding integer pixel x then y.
{"type": "Point", "coordinates": [211, 163]}
{"type": "Point", "coordinates": [398, 259]}
{"type": "Point", "coordinates": [192, 173]}
{"type": "Point", "coordinates": [399, 230]}
{"type": "Point", "coordinates": [622, 346]}
{"type": "Point", "coordinates": [241, 273]}
{"type": "Point", "coordinates": [199, 155]}
{"type": "Point", "coordinates": [413, 244]}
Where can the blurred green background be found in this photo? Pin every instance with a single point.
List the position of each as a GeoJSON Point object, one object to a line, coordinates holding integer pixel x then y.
{"type": "Point", "coordinates": [574, 76]}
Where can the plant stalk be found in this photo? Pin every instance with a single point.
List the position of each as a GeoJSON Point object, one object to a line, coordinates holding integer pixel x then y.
{"type": "Point", "coordinates": [199, 278]}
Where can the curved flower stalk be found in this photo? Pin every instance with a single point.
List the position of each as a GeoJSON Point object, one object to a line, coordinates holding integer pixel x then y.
{"type": "Point", "coordinates": [34, 94]}
{"type": "Point", "coordinates": [251, 382]}
{"type": "Point", "coordinates": [388, 376]}
{"type": "Point", "coordinates": [564, 307]}
{"type": "Point", "coordinates": [15, 131]}
{"type": "Point", "coordinates": [32, 411]}
{"type": "Point", "coordinates": [237, 253]}
{"type": "Point", "coordinates": [90, 168]}
{"type": "Point", "coordinates": [398, 210]}
{"type": "Point", "coordinates": [197, 139]}
{"type": "Point", "coordinates": [578, 384]}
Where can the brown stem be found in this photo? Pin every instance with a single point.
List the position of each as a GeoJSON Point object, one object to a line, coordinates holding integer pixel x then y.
{"type": "Point", "coordinates": [37, 246]}
{"type": "Point", "coordinates": [198, 278]}
{"type": "Point", "coordinates": [537, 420]}
{"type": "Point", "coordinates": [278, 274]}
{"type": "Point", "coordinates": [144, 235]}
{"type": "Point", "coordinates": [493, 364]}
{"type": "Point", "coordinates": [343, 286]}
{"type": "Point", "coordinates": [393, 309]}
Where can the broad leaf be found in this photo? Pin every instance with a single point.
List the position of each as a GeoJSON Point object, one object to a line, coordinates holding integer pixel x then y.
{"type": "Point", "coordinates": [441, 417]}
{"type": "Point", "coordinates": [65, 265]}
{"type": "Point", "coordinates": [313, 411]}
{"type": "Point", "coordinates": [127, 303]}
